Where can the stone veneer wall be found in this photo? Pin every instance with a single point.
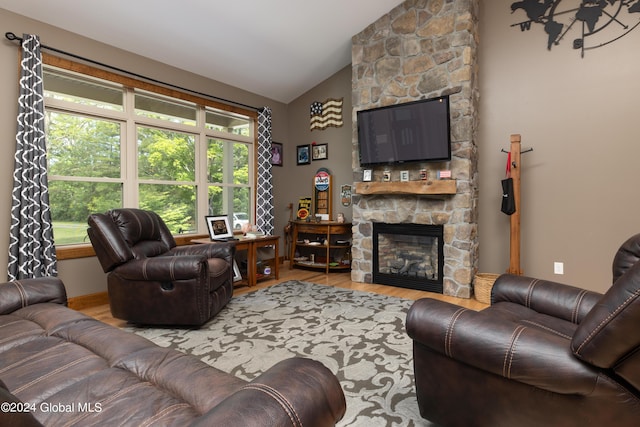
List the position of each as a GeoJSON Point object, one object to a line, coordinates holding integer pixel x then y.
{"type": "Point", "coordinates": [422, 49]}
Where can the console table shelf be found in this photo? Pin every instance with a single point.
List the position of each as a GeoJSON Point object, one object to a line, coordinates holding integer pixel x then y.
{"type": "Point", "coordinates": [324, 245]}
{"type": "Point", "coordinates": [251, 245]}
{"type": "Point", "coordinates": [443, 186]}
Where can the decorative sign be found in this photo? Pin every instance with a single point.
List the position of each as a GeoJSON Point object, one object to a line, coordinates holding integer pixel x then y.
{"type": "Point", "coordinates": [591, 23]}
{"type": "Point", "coordinates": [304, 207]}
{"type": "Point", "coordinates": [327, 113]}
{"type": "Point", "coordinates": [345, 195]}
{"type": "Point", "coordinates": [321, 181]}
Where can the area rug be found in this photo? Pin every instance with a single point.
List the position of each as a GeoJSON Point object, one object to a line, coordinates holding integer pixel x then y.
{"type": "Point", "coordinates": [359, 336]}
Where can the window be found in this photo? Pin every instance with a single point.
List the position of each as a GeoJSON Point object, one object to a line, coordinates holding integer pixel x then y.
{"type": "Point", "coordinates": [116, 142]}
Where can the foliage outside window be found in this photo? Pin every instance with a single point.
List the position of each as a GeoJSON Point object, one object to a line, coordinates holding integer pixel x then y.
{"type": "Point", "coordinates": [115, 145]}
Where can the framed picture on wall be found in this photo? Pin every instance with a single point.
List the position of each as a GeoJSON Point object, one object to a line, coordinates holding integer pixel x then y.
{"type": "Point", "coordinates": [276, 154]}
{"type": "Point", "coordinates": [319, 152]}
{"type": "Point", "coordinates": [303, 154]}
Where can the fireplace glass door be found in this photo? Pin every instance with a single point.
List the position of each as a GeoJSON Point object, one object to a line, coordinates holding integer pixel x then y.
{"type": "Point", "coordinates": [408, 255]}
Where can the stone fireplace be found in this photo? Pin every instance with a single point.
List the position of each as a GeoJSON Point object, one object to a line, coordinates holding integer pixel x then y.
{"type": "Point", "coordinates": [408, 255]}
{"type": "Point", "coordinates": [421, 49]}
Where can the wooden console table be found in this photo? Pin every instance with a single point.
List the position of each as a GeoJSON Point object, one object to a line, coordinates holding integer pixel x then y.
{"type": "Point", "coordinates": [251, 245]}
{"type": "Point", "coordinates": [323, 245]}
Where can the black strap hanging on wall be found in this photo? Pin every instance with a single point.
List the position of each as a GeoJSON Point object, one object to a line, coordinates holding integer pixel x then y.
{"type": "Point", "coordinates": [508, 197]}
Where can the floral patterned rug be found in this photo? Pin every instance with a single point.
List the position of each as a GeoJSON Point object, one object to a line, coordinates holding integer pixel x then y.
{"type": "Point", "coordinates": [359, 336]}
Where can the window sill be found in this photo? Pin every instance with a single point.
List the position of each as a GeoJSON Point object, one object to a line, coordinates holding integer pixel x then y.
{"type": "Point", "coordinates": [86, 250]}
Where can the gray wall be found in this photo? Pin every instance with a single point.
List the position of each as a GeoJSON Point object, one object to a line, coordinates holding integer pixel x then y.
{"type": "Point", "coordinates": [578, 202]}
{"type": "Point", "coordinates": [578, 114]}
{"type": "Point", "coordinates": [291, 181]}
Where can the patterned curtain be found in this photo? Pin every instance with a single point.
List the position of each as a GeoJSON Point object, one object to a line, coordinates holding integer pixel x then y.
{"type": "Point", "coordinates": [31, 247]}
{"type": "Point", "coordinates": [264, 196]}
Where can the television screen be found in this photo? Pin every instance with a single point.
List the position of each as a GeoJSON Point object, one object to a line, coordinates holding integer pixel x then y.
{"type": "Point", "coordinates": [416, 131]}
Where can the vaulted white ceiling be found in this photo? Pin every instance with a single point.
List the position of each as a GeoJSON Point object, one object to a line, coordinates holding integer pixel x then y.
{"type": "Point", "coordinates": [275, 48]}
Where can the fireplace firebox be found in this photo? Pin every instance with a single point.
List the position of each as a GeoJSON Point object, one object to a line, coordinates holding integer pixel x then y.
{"type": "Point", "coordinates": [408, 256]}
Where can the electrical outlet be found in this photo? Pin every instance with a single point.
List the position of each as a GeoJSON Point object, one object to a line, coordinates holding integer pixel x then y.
{"type": "Point", "coordinates": [558, 268]}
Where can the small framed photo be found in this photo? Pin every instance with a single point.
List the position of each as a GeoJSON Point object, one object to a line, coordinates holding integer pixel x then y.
{"type": "Point", "coordinates": [404, 176]}
{"type": "Point", "coordinates": [386, 176]}
{"type": "Point", "coordinates": [276, 154]}
{"type": "Point", "coordinates": [218, 227]}
{"type": "Point", "coordinates": [237, 276]}
{"type": "Point", "coordinates": [303, 154]}
{"type": "Point", "coordinates": [319, 152]}
{"type": "Point", "coordinates": [366, 175]}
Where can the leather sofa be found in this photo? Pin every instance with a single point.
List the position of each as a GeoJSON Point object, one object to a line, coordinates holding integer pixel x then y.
{"type": "Point", "coordinates": [59, 367]}
{"type": "Point", "coordinates": [152, 281]}
{"type": "Point", "coordinates": [543, 353]}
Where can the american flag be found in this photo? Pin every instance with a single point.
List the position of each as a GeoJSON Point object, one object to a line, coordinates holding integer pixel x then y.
{"type": "Point", "coordinates": [327, 113]}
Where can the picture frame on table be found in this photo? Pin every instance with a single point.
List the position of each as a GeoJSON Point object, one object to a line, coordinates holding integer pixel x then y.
{"type": "Point", "coordinates": [276, 154]}
{"type": "Point", "coordinates": [237, 276]}
{"type": "Point", "coordinates": [319, 152]}
{"type": "Point", "coordinates": [367, 175]}
{"type": "Point", "coordinates": [218, 226]}
{"type": "Point", "coordinates": [303, 154]}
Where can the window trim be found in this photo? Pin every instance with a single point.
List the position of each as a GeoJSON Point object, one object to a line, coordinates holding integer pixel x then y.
{"type": "Point", "coordinates": [83, 250]}
{"type": "Point", "coordinates": [56, 61]}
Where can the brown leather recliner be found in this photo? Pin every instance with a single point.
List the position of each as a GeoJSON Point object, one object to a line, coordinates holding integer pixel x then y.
{"type": "Point", "coordinates": [151, 280]}
{"type": "Point", "coordinates": [543, 353]}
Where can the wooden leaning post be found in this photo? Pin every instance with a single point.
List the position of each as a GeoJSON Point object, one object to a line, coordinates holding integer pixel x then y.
{"type": "Point", "coordinates": [514, 257]}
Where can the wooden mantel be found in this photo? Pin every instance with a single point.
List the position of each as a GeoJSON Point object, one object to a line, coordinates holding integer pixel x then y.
{"type": "Point", "coordinates": [443, 186]}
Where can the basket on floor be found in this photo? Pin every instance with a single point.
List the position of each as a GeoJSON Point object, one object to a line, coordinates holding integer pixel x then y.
{"type": "Point", "coordinates": [482, 284]}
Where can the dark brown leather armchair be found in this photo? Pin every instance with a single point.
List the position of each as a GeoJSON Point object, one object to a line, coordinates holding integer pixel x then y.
{"type": "Point", "coordinates": [543, 353]}
{"type": "Point", "coordinates": [150, 279]}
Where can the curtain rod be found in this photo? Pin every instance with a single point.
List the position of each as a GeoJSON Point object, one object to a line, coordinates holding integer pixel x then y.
{"type": "Point", "coordinates": [11, 36]}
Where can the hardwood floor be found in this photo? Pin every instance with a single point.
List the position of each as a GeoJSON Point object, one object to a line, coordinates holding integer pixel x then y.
{"type": "Point", "coordinates": [341, 280]}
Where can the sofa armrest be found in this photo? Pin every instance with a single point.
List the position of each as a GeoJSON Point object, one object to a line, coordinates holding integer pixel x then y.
{"type": "Point", "coordinates": [10, 417]}
{"type": "Point", "coordinates": [555, 299]}
{"type": "Point", "coordinates": [294, 392]}
{"type": "Point", "coordinates": [526, 354]}
{"type": "Point", "coordinates": [166, 269]}
{"type": "Point", "coordinates": [21, 293]}
{"type": "Point", "coordinates": [224, 250]}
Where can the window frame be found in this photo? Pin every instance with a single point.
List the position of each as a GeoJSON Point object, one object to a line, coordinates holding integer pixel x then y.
{"type": "Point", "coordinates": [81, 250]}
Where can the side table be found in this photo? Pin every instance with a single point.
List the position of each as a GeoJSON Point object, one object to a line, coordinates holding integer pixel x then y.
{"type": "Point", "coordinates": [251, 245]}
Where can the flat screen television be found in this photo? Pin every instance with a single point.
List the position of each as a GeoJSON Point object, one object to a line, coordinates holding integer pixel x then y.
{"type": "Point", "coordinates": [417, 131]}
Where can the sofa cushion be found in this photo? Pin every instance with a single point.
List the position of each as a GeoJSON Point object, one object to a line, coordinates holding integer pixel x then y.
{"type": "Point", "coordinates": [607, 333]}
{"type": "Point", "coordinates": [517, 314]}
{"type": "Point", "coordinates": [102, 367]}
{"type": "Point", "coordinates": [627, 255]}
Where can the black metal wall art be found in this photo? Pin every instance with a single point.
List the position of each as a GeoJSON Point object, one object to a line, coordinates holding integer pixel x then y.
{"type": "Point", "coordinates": [591, 23]}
